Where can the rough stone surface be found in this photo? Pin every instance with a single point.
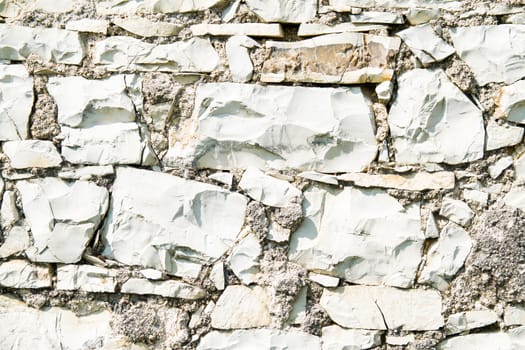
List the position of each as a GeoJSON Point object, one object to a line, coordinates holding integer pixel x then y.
{"type": "Point", "coordinates": [32, 154]}
{"type": "Point", "coordinates": [170, 289]}
{"type": "Point", "coordinates": [425, 44]}
{"type": "Point", "coordinates": [238, 57]}
{"type": "Point", "coordinates": [293, 11]}
{"type": "Point", "coordinates": [338, 338]}
{"type": "Point", "coordinates": [271, 30]}
{"type": "Point", "coordinates": [510, 102]}
{"type": "Point", "coordinates": [146, 28]}
{"type": "Point", "coordinates": [468, 320]}
{"type": "Point", "coordinates": [107, 7]}
{"type": "Point", "coordinates": [457, 211]}
{"type": "Point", "coordinates": [268, 190]}
{"type": "Point", "coordinates": [413, 182]}
{"type": "Point", "coordinates": [259, 339]}
{"type": "Point", "coordinates": [86, 278]}
{"type": "Point", "coordinates": [22, 274]}
{"type": "Point", "coordinates": [499, 136]}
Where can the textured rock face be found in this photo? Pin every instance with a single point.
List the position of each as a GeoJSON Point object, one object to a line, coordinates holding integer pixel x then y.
{"type": "Point", "coordinates": [510, 102]}
{"type": "Point", "coordinates": [16, 88]}
{"type": "Point", "coordinates": [337, 135]}
{"type": "Point", "coordinates": [293, 11]}
{"type": "Point", "coordinates": [153, 6]}
{"type": "Point", "coordinates": [32, 154]}
{"type": "Point", "coordinates": [425, 44]}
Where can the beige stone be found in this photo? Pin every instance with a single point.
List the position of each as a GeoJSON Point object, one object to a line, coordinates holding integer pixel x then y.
{"type": "Point", "coordinates": [413, 182]}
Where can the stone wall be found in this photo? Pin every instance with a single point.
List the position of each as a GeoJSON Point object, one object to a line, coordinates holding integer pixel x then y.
{"type": "Point", "coordinates": [262, 174]}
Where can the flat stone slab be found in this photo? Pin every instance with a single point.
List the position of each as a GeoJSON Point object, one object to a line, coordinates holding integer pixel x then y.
{"type": "Point", "coordinates": [23, 274]}
{"type": "Point", "coordinates": [32, 154]}
{"type": "Point", "coordinates": [125, 7]}
{"type": "Point", "coordinates": [169, 289]}
{"type": "Point", "coordinates": [425, 44]}
{"type": "Point", "coordinates": [267, 30]}
{"type": "Point", "coordinates": [374, 246]}
{"type": "Point", "coordinates": [291, 11]}
{"type": "Point", "coordinates": [345, 58]}
{"type": "Point", "coordinates": [146, 28]}
{"type": "Point", "coordinates": [510, 102]}
{"type": "Point", "coordinates": [346, 5]}
{"type": "Point", "coordinates": [339, 338]}
{"type": "Point", "coordinates": [314, 29]}
{"type": "Point", "coordinates": [419, 181]}
{"type": "Point", "coordinates": [86, 278]}
{"type": "Point", "coordinates": [277, 127]}
{"type": "Point", "coordinates": [511, 340]}
{"type": "Point", "coordinates": [465, 321]}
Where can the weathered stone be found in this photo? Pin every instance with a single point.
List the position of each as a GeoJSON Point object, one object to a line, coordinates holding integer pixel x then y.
{"type": "Point", "coordinates": [324, 280]}
{"type": "Point", "coordinates": [446, 256]}
{"type": "Point", "coordinates": [346, 5]}
{"type": "Point", "coordinates": [519, 169]}
{"type": "Point", "coordinates": [298, 312]}
{"type": "Point", "coordinates": [217, 276]}
{"type": "Point", "coordinates": [518, 18]}
{"type": "Point", "coordinates": [377, 17]}
{"type": "Point", "coordinates": [52, 44]}
{"type": "Point", "coordinates": [152, 274]}
{"type": "Point", "coordinates": [280, 127]}
{"type": "Point", "coordinates": [268, 190]}
{"type": "Point", "coordinates": [244, 259]}
{"type": "Point", "coordinates": [241, 307]}
{"type": "Point", "coordinates": [86, 173]}
{"type": "Point", "coordinates": [400, 340]}
{"type": "Point", "coordinates": [417, 15]}
{"type": "Point", "coordinates": [125, 7]}
{"type": "Point", "coordinates": [314, 29]}
{"type": "Point", "coordinates": [419, 181]}
{"type": "Point", "coordinates": [51, 6]}
{"type": "Point", "coordinates": [61, 231]}
{"type": "Point", "coordinates": [239, 60]}
{"type": "Point", "coordinates": [383, 308]}
{"type": "Point", "coordinates": [16, 240]}
{"type": "Point", "coordinates": [431, 229]}
{"type": "Point", "coordinates": [32, 154]}
{"type": "Point", "coordinates": [88, 25]}
{"type": "Point", "coordinates": [373, 246]}
{"type": "Point", "coordinates": [86, 278]}
{"type": "Point", "coordinates": [292, 11]}
{"type": "Point", "coordinates": [146, 28]}
{"type": "Point", "coordinates": [499, 166]}
{"type": "Point", "coordinates": [270, 30]}
{"type": "Point", "coordinates": [384, 91]}
{"type": "Point", "coordinates": [8, 211]}
{"type": "Point", "coordinates": [314, 60]}
{"type": "Point", "coordinates": [476, 196]}
{"type": "Point", "coordinates": [319, 177]}
{"type": "Point", "coordinates": [259, 339]}
{"type": "Point", "coordinates": [169, 289]}
{"type": "Point", "coordinates": [121, 53]}
{"type": "Point", "coordinates": [222, 177]}
{"type": "Point", "coordinates": [228, 13]}
{"type": "Point", "coordinates": [514, 315]}
{"type": "Point", "coordinates": [493, 52]}
{"type": "Point", "coordinates": [456, 211]}
{"type": "Point", "coordinates": [510, 102]}
{"type": "Point", "coordinates": [338, 338]}
{"type": "Point", "coordinates": [465, 321]}
{"type": "Point", "coordinates": [432, 121]}
{"type": "Point", "coordinates": [22, 274]}
{"type": "Point", "coordinates": [504, 135]}
{"type": "Point", "coordinates": [425, 44]}
{"type": "Point", "coordinates": [16, 101]}
{"type": "Point", "coordinates": [515, 198]}
{"type": "Point", "coordinates": [511, 340]}
{"type": "Point", "coordinates": [190, 223]}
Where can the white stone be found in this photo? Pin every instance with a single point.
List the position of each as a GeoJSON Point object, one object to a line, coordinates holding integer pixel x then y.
{"type": "Point", "coordinates": [229, 12]}
{"type": "Point", "coordinates": [125, 7]}
{"type": "Point", "coordinates": [241, 307]}
{"type": "Point", "coordinates": [425, 44]}
{"type": "Point", "coordinates": [518, 18]}
{"type": "Point", "coordinates": [338, 338]}
{"type": "Point", "coordinates": [432, 121]}
{"type": "Point", "coordinates": [267, 30]}
{"type": "Point", "coordinates": [122, 53]}
{"type": "Point", "coordinates": [169, 289]}
{"type": "Point", "coordinates": [384, 91]}
{"type": "Point", "coordinates": [446, 256]}
{"type": "Point", "coordinates": [382, 308]}
{"type": "Point", "coordinates": [86, 173]}
{"type": "Point", "coordinates": [324, 280]}
{"type": "Point", "coordinates": [8, 211]}
{"type": "Point", "coordinates": [465, 321]}
{"type": "Point", "coordinates": [244, 259]}
{"type": "Point", "coordinates": [190, 222]}
{"type": "Point", "coordinates": [146, 28]}
{"type": "Point", "coordinates": [400, 340]}
{"type": "Point", "coordinates": [346, 5]}
{"type": "Point", "coordinates": [52, 44]}
{"type": "Point", "coordinates": [277, 233]}
{"type": "Point", "coordinates": [492, 51]}
{"type": "Point", "coordinates": [16, 240]}
{"type": "Point", "coordinates": [499, 166]}
{"type": "Point", "coordinates": [217, 276]}
{"type": "Point", "coordinates": [88, 25]}
{"type": "Point", "coordinates": [298, 312]}
{"type": "Point", "coordinates": [515, 198]}
{"type": "Point", "coordinates": [510, 105]}
{"type": "Point", "coordinates": [319, 177]}
{"type": "Point", "coordinates": [32, 154]}
{"type": "Point", "coordinates": [505, 135]}
{"type": "Point", "coordinates": [514, 315]}
{"type": "Point", "coordinates": [431, 229]}
{"type": "Point", "coordinates": [456, 211]}
{"type": "Point", "coordinates": [377, 17]}
{"type": "Point", "coordinates": [279, 127]}
{"type": "Point", "coordinates": [419, 181]}
{"type": "Point", "coordinates": [152, 274]}
{"type": "Point", "coordinates": [478, 341]}
{"type": "Point", "coordinates": [476, 196]}
{"type": "Point", "coordinates": [268, 190]}
{"type": "Point", "coordinates": [52, 6]}
{"type": "Point", "coordinates": [344, 233]}
{"type": "Point", "coordinates": [86, 278]}
{"type": "Point", "coordinates": [292, 11]}
{"type": "Point", "coordinates": [519, 169]}
{"type": "Point", "coordinates": [416, 15]}
{"type": "Point", "coordinates": [60, 230]}
{"type": "Point", "coordinates": [16, 101]}
{"type": "Point", "coordinates": [222, 177]}
{"type": "Point", "coordinates": [314, 29]}
{"type": "Point", "coordinates": [22, 274]}
{"type": "Point", "coordinates": [239, 61]}
{"type": "Point", "coordinates": [259, 339]}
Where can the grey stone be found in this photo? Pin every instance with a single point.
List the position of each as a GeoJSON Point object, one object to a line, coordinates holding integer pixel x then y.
{"type": "Point", "coordinates": [88, 25]}
{"type": "Point", "coordinates": [505, 135]}
{"type": "Point", "coordinates": [169, 289]}
{"type": "Point", "coordinates": [456, 211]}
{"type": "Point", "coordinates": [267, 30]}
{"type": "Point", "coordinates": [268, 190]}
{"type": "Point", "coordinates": [16, 240]}
{"type": "Point", "coordinates": [314, 29]}
{"type": "Point", "coordinates": [8, 211]}
{"type": "Point", "coordinates": [465, 321]}
{"type": "Point", "coordinates": [377, 17]}
{"type": "Point", "coordinates": [32, 154]}
{"type": "Point", "coordinates": [499, 166]}
{"type": "Point", "coordinates": [514, 315]}
{"type": "Point", "coordinates": [425, 44]}
{"type": "Point", "coordinates": [510, 102]}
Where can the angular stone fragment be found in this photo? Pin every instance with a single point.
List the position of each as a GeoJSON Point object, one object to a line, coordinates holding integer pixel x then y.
{"type": "Point", "coordinates": [280, 127]}
{"type": "Point", "coordinates": [382, 308]}
{"type": "Point", "coordinates": [222, 177]}
{"type": "Point", "coordinates": [239, 60]}
{"type": "Point", "coordinates": [505, 135]}
{"type": "Point", "coordinates": [241, 307]}
{"type": "Point", "coordinates": [146, 28]}
{"type": "Point", "coordinates": [419, 181]}
{"type": "Point", "coordinates": [22, 274]}
{"type": "Point", "coordinates": [499, 166]}
{"type": "Point", "coordinates": [217, 276]}
{"type": "Point", "coordinates": [373, 246]}
{"type": "Point", "coordinates": [319, 177]}
{"type": "Point", "coordinates": [519, 169]}
{"type": "Point", "coordinates": [400, 340]}
{"type": "Point", "coordinates": [267, 30]}
{"type": "Point", "coordinates": [425, 44]}
{"type": "Point", "coordinates": [244, 259]}
{"type": "Point", "coordinates": [510, 102]}
{"type": "Point", "coordinates": [8, 211]}
{"type": "Point", "coordinates": [314, 29]}
{"type": "Point", "coordinates": [121, 53]}
{"type": "Point", "coordinates": [377, 17]}
{"type": "Point", "coordinates": [16, 101]}
{"type": "Point", "coordinates": [476, 196]}
{"type": "Point", "coordinates": [268, 190]}
{"type": "Point", "coordinates": [514, 315]}
{"type": "Point", "coordinates": [465, 321]}
{"type": "Point", "coordinates": [83, 103]}
{"type": "Point", "coordinates": [456, 211]}
{"type": "Point", "coordinates": [86, 173]}
{"type": "Point", "coordinates": [16, 241]}
{"type": "Point", "coordinates": [315, 60]}
{"type": "Point", "coordinates": [493, 52]}
{"type": "Point", "coordinates": [60, 230]}
{"type": "Point", "coordinates": [52, 44]}
{"type": "Point", "coordinates": [291, 11]}
{"type": "Point", "coordinates": [511, 340]}
{"type": "Point", "coordinates": [125, 7]}
{"type": "Point", "coordinates": [431, 230]}
{"type": "Point", "coordinates": [191, 222]}
{"type": "Point", "coordinates": [432, 121]}
{"type": "Point", "coordinates": [338, 338]}
{"type": "Point", "coordinates": [384, 91]}
{"type": "Point", "coordinates": [346, 5]}
{"type": "Point", "coordinates": [259, 339]}
{"type": "Point", "coordinates": [86, 278]}
{"type": "Point", "coordinates": [417, 15]}
{"type": "Point", "coordinates": [446, 256]}
{"type": "Point", "coordinates": [32, 154]}
{"type": "Point", "coordinates": [297, 314]}
{"type": "Point", "coordinates": [51, 6]}
{"type": "Point", "coordinates": [169, 289]}
{"type": "Point", "coordinates": [324, 280]}
{"type": "Point", "coordinates": [88, 25]}
{"type": "Point", "coordinates": [515, 198]}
